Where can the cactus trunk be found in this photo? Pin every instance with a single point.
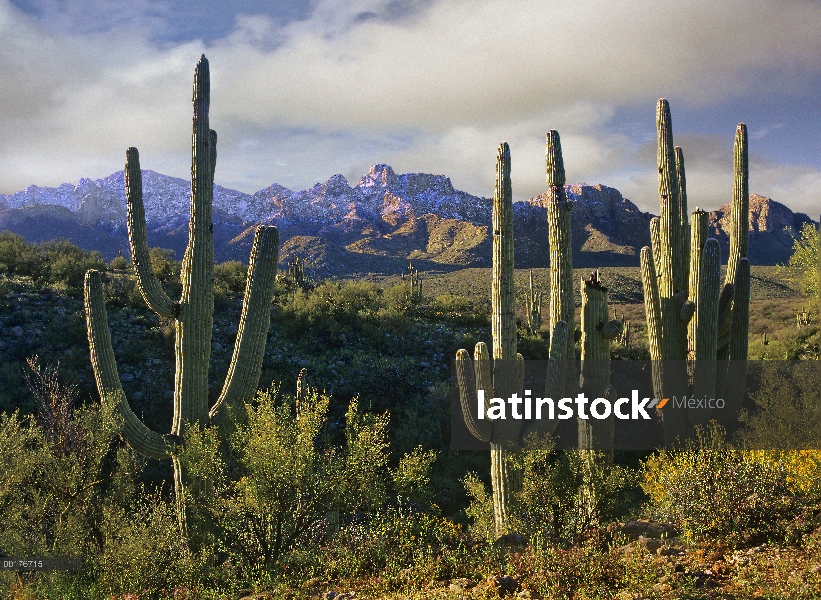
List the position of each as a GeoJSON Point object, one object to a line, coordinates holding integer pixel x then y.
{"type": "Point", "coordinates": [193, 314]}
{"type": "Point", "coordinates": [689, 315]}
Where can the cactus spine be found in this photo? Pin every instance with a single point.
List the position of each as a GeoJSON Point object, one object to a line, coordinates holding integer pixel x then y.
{"type": "Point", "coordinates": [688, 316]}
{"type": "Point", "coordinates": [193, 314]}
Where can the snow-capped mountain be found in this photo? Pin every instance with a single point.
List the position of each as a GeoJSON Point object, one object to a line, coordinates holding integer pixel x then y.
{"type": "Point", "coordinates": [375, 225]}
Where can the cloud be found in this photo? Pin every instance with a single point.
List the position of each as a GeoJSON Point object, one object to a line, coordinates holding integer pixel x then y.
{"type": "Point", "coordinates": [422, 85]}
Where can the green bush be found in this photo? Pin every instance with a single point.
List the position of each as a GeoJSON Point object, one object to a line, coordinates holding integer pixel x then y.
{"type": "Point", "coordinates": [281, 474]}
{"type": "Point", "coordinates": [229, 278]}
{"type": "Point", "coordinates": [58, 263]}
{"type": "Point", "coordinates": [564, 494]}
{"type": "Point", "coordinates": [712, 491]}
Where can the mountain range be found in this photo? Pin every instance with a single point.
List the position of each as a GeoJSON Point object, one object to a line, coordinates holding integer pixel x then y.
{"type": "Point", "coordinates": [376, 225]}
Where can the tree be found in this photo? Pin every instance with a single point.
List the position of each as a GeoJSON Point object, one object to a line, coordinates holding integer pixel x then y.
{"type": "Point", "coordinates": [803, 265]}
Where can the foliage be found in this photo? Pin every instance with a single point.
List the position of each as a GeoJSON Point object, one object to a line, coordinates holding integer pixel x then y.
{"type": "Point", "coordinates": [803, 266]}
{"type": "Point", "coordinates": [406, 547]}
{"type": "Point", "coordinates": [59, 263]}
{"type": "Point", "coordinates": [563, 494]}
{"type": "Point", "coordinates": [229, 280]}
{"type": "Point", "coordinates": [711, 490]}
{"type": "Point", "coordinates": [281, 474]}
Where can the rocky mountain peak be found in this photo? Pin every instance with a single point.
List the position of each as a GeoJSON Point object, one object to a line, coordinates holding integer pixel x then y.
{"type": "Point", "coordinates": [378, 176]}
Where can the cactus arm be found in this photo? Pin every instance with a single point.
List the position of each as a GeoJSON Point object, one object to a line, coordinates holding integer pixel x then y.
{"type": "Point", "coordinates": [734, 384]}
{"type": "Point", "coordinates": [670, 230]}
{"type": "Point", "coordinates": [612, 329]}
{"type": "Point", "coordinates": [698, 236]}
{"type": "Point", "coordinates": [502, 293]}
{"type": "Point", "coordinates": [137, 435]}
{"type": "Point", "coordinates": [249, 349]}
{"type": "Point", "coordinates": [740, 224]}
{"type": "Point", "coordinates": [562, 304]}
{"type": "Point", "coordinates": [725, 318]}
{"type": "Point", "coordinates": [595, 434]}
{"type": "Point", "coordinates": [651, 302]}
{"type": "Point", "coordinates": [739, 338]}
{"type": "Point", "coordinates": [195, 324]}
{"type": "Point", "coordinates": [652, 310]}
{"type": "Point", "coordinates": [555, 382]}
{"type": "Point", "coordinates": [684, 237]}
{"type": "Point", "coordinates": [484, 371]}
{"type": "Point", "coordinates": [707, 334]}
{"type": "Point", "coordinates": [482, 430]}
{"type": "Point", "coordinates": [150, 288]}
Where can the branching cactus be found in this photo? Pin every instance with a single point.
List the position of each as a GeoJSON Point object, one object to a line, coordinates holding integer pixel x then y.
{"type": "Point", "coordinates": [533, 306]}
{"type": "Point", "coordinates": [193, 313]}
{"type": "Point", "coordinates": [689, 315]}
{"type": "Point", "coordinates": [507, 373]}
{"type": "Point", "coordinates": [505, 376]}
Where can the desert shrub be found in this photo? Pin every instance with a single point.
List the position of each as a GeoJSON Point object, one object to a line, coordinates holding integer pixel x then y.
{"type": "Point", "coordinates": [61, 471]}
{"type": "Point", "coordinates": [58, 263]}
{"type": "Point", "coordinates": [230, 276]}
{"type": "Point", "coordinates": [281, 474]}
{"type": "Point", "coordinates": [406, 548]}
{"type": "Point", "coordinates": [121, 290]}
{"type": "Point", "coordinates": [163, 264]}
{"type": "Point", "coordinates": [411, 479]}
{"type": "Point", "coordinates": [118, 263]}
{"type": "Point", "coordinates": [144, 553]}
{"type": "Point", "coordinates": [66, 264]}
{"type": "Point", "coordinates": [710, 490]}
{"type": "Point", "coordinates": [461, 310]}
{"type": "Point", "coordinates": [564, 494]}
{"type": "Point", "coordinates": [16, 256]}
{"type": "Point", "coordinates": [784, 414]}
{"type": "Point", "coordinates": [398, 298]}
{"type": "Point", "coordinates": [803, 264]}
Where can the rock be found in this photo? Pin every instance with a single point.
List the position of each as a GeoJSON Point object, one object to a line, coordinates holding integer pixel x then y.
{"type": "Point", "coordinates": [648, 529]}
{"type": "Point", "coordinates": [651, 544]}
{"type": "Point", "coordinates": [505, 584]}
{"type": "Point", "coordinates": [17, 330]}
{"type": "Point", "coordinates": [461, 584]}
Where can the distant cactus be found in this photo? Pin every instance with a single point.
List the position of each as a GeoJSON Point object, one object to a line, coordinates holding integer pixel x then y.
{"type": "Point", "coordinates": [193, 313]}
{"type": "Point", "coordinates": [689, 315]}
{"type": "Point", "coordinates": [414, 282]}
{"type": "Point", "coordinates": [533, 302]}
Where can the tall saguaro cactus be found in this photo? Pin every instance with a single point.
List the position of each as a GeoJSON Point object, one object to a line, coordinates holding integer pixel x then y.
{"type": "Point", "coordinates": [506, 374]}
{"type": "Point", "coordinates": [688, 315]}
{"type": "Point", "coordinates": [193, 313]}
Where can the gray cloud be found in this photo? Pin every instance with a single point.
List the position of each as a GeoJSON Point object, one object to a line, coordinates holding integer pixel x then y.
{"type": "Point", "coordinates": [424, 86]}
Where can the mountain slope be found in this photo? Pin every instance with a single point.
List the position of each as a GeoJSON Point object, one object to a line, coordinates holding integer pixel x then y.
{"type": "Point", "coordinates": [376, 225]}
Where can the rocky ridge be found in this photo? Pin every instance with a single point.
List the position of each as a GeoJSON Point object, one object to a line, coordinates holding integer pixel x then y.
{"type": "Point", "coordinates": [378, 224]}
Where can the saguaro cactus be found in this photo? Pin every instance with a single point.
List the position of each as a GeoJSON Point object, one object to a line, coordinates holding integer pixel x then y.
{"type": "Point", "coordinates": [680, 275]}
{"type": "Point", "coordinates": [598, 332]}
{"type": "Point", "coordinates": [506, 374]}
{"type": "Point", "coordinates": [193, 313]}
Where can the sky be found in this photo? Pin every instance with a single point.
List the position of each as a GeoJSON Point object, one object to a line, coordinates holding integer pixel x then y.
{"type": "Point", "coordinates": [302, 90]}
